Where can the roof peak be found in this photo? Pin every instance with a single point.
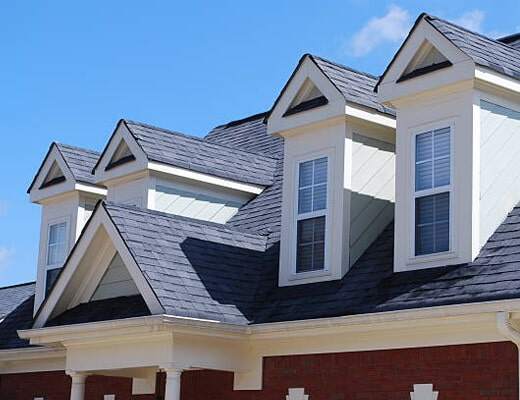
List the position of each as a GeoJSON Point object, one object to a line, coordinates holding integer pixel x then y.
{"type": "Point", "coordinates": [367, 74]}
{"type": "Point", "coordinates": [72, 147]}
{"type": "Point", "coordinates": [260, 115]}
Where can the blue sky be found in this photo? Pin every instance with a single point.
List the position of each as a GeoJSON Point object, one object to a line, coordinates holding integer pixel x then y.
{"type": "Point", "coordinates": [71, 69]}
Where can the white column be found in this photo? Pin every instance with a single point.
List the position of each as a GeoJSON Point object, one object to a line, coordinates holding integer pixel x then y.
{"type": "Point", "coordinates": [173, 384]}
{"type": "Point", "coordinates": [77, 388]}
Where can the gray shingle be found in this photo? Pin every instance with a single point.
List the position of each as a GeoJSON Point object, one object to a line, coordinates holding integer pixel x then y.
{"type": "Point", "coordinates": [357, 87]}
{"type": "Point", "coordinates": [484, 51]}
{"type": "Point", "coordinates": [80, 161]}
{"type": "Point", "coordinates": [207, 157]}
{"type": "Point", "coordinates": [16, 309]}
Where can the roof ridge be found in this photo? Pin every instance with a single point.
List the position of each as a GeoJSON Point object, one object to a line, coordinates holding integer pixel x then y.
{"type": "Point", "coordinates": [199, 139]}
{"type": "Point", "coordinates": [72, 147]}
{"type": "Point", "coordinates": [428, 16]}
{"type": "Point", "coordinates": [224, 227]}
{"type": "Point", "coordinates": [18, 285]}
{"type": "Point", "coordinates": [368, 74]}
{"type": "Point", "coordinates": [236, 122]}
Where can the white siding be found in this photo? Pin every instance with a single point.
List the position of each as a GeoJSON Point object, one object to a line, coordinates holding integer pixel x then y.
{"type": "Point", "coordinates": [179, 201]}
{"type": "Point", "coordinates": [116, 282]}
{"type": "Point", "coordinates": [499, 165]}
{"type": "Point", "coordinates": [372, 201]}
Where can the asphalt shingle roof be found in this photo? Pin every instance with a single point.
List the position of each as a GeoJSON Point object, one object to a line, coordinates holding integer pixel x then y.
{"type": "Point", "coordinates": [483, 50]}
{"type": "Point", "coordinates": [16, 310]}
{"type": "Point", "coordinates": [357, 87]}
{"type": "Point", "coordinates": [198, 155]}
{"type": "Point", "coordinates": [80, 161]}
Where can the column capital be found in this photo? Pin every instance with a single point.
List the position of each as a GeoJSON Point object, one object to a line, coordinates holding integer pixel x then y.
{"type": "Point", "coordinates": [172, 370]}
{"type": "Point", "coordinates": [76, 376]}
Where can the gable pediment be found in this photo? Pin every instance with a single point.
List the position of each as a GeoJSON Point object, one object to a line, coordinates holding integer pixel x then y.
{"type": "Point", "coordinates": [425, 61]}
{"type": "Point", "coordinates": [308, 96]}
{"type": "Point", "coordinates": [53, 177]}
{"type": "Point", "coordinates": [122, 155]}
{"type": "Point", "coordinates": [99, 267]}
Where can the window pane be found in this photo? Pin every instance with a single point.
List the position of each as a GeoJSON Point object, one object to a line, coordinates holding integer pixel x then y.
{"type": "Point", "coordinates": [50, 279]}
{"type": "Point", "coordinates": [442, 172]}
{"type": "Point", "coordinates": [432, 226]}
{"type": "Point", "coordinates": [305, 174]}
{"type": "Point", "coordinates": [57, 243]}
{"type": "Point", "coordinates": [441, 142]}
{"type": "Point", "coordinates": [320, 170]}
{"type": "Point", "coordinates": [423, 175]}
{"type": "Point", "coordinates": [319, 197]}
{"type": "Point", "coordinates": [310, 253]}
{"type": "Point", "coordinates": [423, 147]}
{"type": "Point", "coordinates": [305, 200]}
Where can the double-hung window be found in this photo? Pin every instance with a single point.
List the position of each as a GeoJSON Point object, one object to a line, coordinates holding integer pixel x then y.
{"type": "Point", "coordinates": [432, 191]}
{"type": "Point", "coordinates": [56, 252]}
{"type": "Point", "coordinates": [311, 215]}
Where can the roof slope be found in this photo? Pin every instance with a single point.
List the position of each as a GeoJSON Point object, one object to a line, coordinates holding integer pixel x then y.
{"type": "Point", "coordinates": [198, 155]}
{"type": "Point", "coordinates": [249, 134]}
{"type": "Point", "coordinates": [80, 161]}
{"type": "Point", "coordinates": [261, 215]}
{"type": "Point", "coordinates": [16, 309]}
{"type": "Point", "coordinates": [483, 50]}
{"type": "Point", "coordinates": [357, 87]}
{"type": "Point", "coordinates": [197, 269]}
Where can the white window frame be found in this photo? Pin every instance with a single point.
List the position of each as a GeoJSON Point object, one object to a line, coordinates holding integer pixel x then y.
{"type": "Point", "coordinates": [48, 267]}
{"type": "Point", "coordinates": [415, 131]}
{"type": "Point", "coordinates": [313, 214]}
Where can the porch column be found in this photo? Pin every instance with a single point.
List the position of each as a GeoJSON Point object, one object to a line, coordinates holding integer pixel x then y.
{"type": "Point", "coordinates": [77, 388]}
{"type": "Point", "coordinates": [173, 383]}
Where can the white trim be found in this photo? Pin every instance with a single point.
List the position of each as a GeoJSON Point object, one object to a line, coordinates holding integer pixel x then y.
{"type": "Point", "coordinates": [423, 391]}
{"type": "Point", "coordinates": [451, 253]}
{"type": "Point", "coordinates": [355, 111]}
{"type": "Point", "coordinates": [205, 178]}
{"type": "Point", "coordinates": [296, 394]}
{"type": "Point", "coordinates": [109, 397]}
{"type": "Point", "coordinates": [85, 187]}
{"type": "Point", "coordinates": [293, 275]}
{"type": "Point", "coordinates": [488, 76]}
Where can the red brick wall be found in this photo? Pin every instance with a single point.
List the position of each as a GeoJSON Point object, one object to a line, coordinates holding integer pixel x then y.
{"type": "Point", "coordinates": [469, 372]}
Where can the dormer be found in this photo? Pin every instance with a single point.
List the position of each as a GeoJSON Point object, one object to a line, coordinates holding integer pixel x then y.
{"type": "Point", "coordinates": [162, 170]}
{"type": "Point", "coordinates": [457, 118]}
{"type": "Point", "coordinates": [338, 190]}
{"type": "Point", "coordinates": [65, 189]}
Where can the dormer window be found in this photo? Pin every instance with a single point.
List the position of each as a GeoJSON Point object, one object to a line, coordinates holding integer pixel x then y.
{"type": "Point", "coordinates": [311, 217]}
{"type": "Point", "coordinates": [432, 191]}
{"type": "Point", "coordinates": [57, 244]}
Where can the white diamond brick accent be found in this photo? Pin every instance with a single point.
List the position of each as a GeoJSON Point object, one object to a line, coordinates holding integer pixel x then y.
{"type": "Point", "coordinates": [297, 394]}
{"type": "Point", "coordinates": [423, 392]}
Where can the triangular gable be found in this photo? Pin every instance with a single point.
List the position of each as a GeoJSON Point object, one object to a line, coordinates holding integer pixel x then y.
{"type": "Point", "coordinates": [116, 281]}
{"type": "Point", "coordinates": [424, 50]}
{"type": "Point", "coordinates": [121, 156]}
{"type": "Point", "coordinates": [307, 98]}
{"type": "Point", "coordinates": [308, 89]}
{"type": "Point", "coordinates": [427, 59]}
{"type": "Point", "coordinates": [87, 269]}
{"type": "Point", "coordinates": [53, 177]}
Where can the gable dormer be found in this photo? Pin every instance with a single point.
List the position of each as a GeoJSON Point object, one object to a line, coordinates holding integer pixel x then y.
{"type": "Point", "coordinates": [338, 169]}
{"type": "Point", "coordinates": [162, 170]}
{"type": "Point", "coordinates": [455, 143]}
{"type": "Point", "coordinates": [65, 189]}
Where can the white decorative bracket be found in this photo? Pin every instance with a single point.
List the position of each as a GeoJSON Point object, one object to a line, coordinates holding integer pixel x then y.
{"type": "Point", "coordinates": [297, 394]}
{"type": "Point", "coordinates": [423, 392]}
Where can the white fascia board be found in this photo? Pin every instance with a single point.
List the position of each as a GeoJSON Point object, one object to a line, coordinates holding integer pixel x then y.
{"type": "Point", "coordinates": [205, 178]}
{"type": "Point", "coordinates": [31, 353]}
{"type": "Point", "coordinates": [421, 317]}
{"type": "Point", "coordinates": [366, 114]}
{"type": "Point", "coordinates": [92, 189]}
{"type": "Point", "coordinates": [494, 78]}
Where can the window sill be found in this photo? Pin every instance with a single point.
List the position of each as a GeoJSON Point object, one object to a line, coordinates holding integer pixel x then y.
{"type": "Point", "coordinates": [295, 276]}
{"type": "Point", "coordinates": [428, 258]}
